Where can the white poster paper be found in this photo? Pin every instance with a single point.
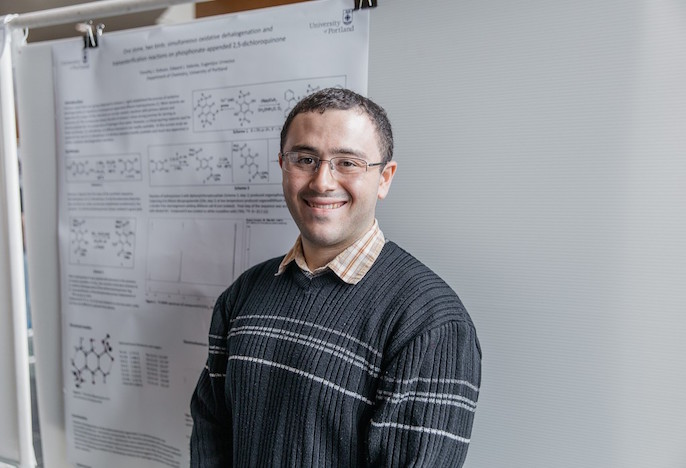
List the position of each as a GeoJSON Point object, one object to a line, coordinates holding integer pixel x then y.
{"type": "Point", "coordinates": [170, 187]}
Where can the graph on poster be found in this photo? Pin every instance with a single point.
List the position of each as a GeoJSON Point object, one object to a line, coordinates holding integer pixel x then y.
{"type": "Point", "coordinates": [201, 257]}
{"type": "Point", "coordinates": [198, 258]}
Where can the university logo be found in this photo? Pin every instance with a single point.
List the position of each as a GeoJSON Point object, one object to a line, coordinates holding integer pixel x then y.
{"type": "Point", "coordinates": [348, 16]}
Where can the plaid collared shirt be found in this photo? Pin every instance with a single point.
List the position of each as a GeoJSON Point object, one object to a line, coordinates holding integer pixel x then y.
{"type": "Point", "coordinates": [350, 265]}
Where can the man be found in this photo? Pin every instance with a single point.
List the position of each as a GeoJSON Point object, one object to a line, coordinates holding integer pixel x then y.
{"type": "Point", "coordinates": [347, 351]}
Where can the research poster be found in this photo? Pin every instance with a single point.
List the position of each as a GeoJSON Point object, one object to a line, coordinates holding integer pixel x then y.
{"type": "Point", "coordinates": [169, 188]}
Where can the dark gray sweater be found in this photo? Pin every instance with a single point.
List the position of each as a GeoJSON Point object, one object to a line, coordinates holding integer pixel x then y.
{"type": "Point", "coordinates": [315, 372]}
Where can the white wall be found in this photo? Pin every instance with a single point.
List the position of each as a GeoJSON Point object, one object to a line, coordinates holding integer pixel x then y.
{"type": "Point", "coordinates": [33, 73]}
{"type": "Point", "coordinates": [542, 173]}
{"type": "Point", "coordinates": [15, 400]}
{"type": "Point", "coordinates": [9, 430]}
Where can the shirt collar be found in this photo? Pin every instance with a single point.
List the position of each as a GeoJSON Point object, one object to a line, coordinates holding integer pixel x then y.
{"type": "Point", "coordinates": [350, 265]}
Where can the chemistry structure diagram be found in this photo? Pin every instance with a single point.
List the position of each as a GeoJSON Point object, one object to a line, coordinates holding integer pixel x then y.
{"type": "Point", "coordinates": [102, 241]}
{"type": "Point", "coordinates": [92, 361]}
{"type": "Point", "coordinates": [243, 110]}
{"type": "Point", "coordinates": [262, 105]}
{"type": "Point", "coordinates": [215, 163]}
{"type": "Point", "coordinates": [104, 168]}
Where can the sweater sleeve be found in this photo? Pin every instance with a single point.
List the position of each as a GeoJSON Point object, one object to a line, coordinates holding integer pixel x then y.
{"type": "Point", "coordinates": [426, 400]}
{"type": "Point", "coordinates": [211, 439]}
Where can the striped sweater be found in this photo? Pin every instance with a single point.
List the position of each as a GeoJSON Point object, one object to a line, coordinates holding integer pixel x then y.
{"type": "Point", "coordinates": [308, 372]}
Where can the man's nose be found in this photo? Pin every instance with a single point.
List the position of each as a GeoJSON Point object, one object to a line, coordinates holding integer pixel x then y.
{"type": "Point", "coordinates": [323, 179]}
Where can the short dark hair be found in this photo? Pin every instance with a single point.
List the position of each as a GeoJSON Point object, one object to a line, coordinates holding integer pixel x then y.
{"type": "Point", "coordinates": [344, 99]}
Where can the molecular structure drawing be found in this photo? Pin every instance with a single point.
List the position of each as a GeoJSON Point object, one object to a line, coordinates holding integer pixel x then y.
{"type": "Point", "coordinates": [244, 107]}
{"type": "Point", "coordinates": [204, 163]}
{"type": "Point", "coordinates": [291, 98]}
{"type": "Point", "coordinates": [193, 163]}
{"type": "Point", "coordinates": [97, 168]}
{"type": "Point", "coordinates": [177, 162]}
{"type": "Point", "coordinates": [125, 238]}
{"type": "Point", "coordinates": [90, 360]}
{"type": "Point", "coordinates": [253, 108]}
{"type": "Point", "coordinates": [129, 166]}
{"type": "Point", "coordinates": [250, 162]}
{"type": "Point", "coordinates": [205, 108]}
{"type": "Point", "coordinates": [79, 238]}
{"type": "Point", "coordinates": [102, 241]}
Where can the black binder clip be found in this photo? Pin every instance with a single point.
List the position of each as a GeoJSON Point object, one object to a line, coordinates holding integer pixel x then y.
{"type": "Point", "coordinates": [90, 37]}
{"type": "Point", "coordinates": [361, 4]}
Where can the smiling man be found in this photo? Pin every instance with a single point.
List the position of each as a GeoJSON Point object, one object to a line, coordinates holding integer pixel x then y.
{"type": "Point", "coordinates": [347, 351]}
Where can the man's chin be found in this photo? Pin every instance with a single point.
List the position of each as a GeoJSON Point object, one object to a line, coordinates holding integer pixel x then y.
{"type": "Point", "coordinates": [322, 239]}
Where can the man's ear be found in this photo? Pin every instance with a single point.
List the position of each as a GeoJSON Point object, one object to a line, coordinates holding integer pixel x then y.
{"type": "Point", "coordinates": [386, 178]}
{"type": "Point", "coordinates": [280, 161]}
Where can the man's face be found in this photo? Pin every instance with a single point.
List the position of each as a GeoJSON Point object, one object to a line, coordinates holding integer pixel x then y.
{"type": "Point", "coordinates": [332, 210]}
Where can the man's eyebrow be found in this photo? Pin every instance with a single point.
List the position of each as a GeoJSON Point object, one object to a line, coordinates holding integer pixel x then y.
{"type": "Point", "coordinates": [304, 149]}
{"type": "Point", "coordinates": [335, 152]}
{"type": "Point", "coordinates": [349, 152]}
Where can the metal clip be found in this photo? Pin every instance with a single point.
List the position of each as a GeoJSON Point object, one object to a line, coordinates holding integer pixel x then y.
{"type": "Point", "coordinates": [360, 4]}
{"type": "Point", "coordinates": [90, 39]}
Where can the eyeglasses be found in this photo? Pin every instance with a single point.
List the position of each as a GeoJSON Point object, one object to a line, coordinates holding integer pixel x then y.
{"type": "Point", "coordinates": [304, 163]}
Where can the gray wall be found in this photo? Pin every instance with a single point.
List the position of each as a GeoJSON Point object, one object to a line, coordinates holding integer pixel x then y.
{"type": "Point", "coordinates": [542, 174]}
{"type": "Point", "coordinates": [541, 151]}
